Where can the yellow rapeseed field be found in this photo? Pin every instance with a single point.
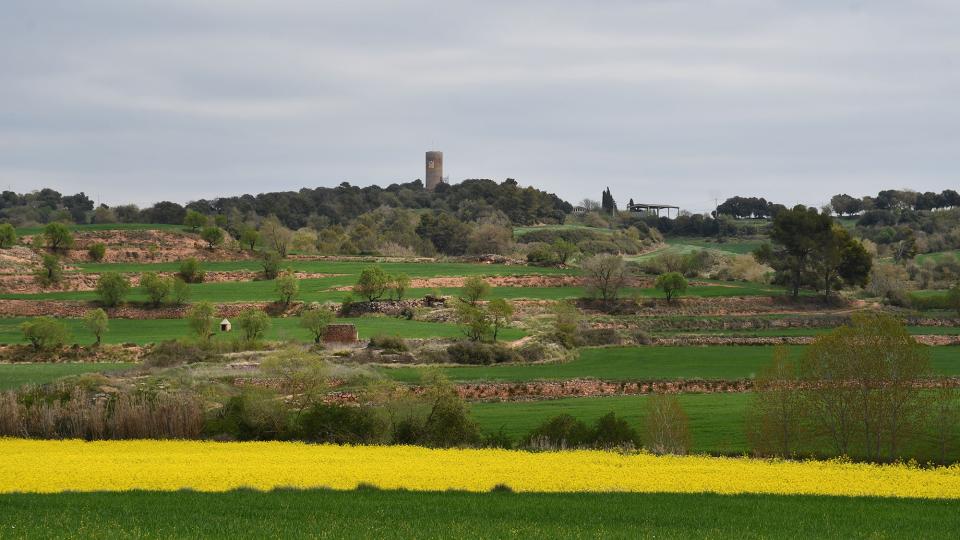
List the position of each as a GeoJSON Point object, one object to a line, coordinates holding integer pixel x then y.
{"type": "Point", "coordinates": [54, 466]}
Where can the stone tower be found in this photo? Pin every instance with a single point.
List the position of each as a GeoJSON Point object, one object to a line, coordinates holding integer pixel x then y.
{"type": "Point", "coordinates": [434, 175]}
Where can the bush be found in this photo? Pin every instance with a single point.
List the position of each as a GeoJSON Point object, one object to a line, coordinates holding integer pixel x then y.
{"type": "Point", "coordinates": [253, 323]}
{"type": "Point", "coordinates": [287, 287]}
{"type": "Point", "coordinates": [672, 284]}
{"type": "Point", "coordinates": [594, 337]}
{"type": "Point", "coordinates": [562, 431]}
{"type": "Point", "coordinates": [97, 323]}
{"type": "Point", "coordinates": [388, 343]}
{"type": "Point", "coordinates": [50, 271]}
{"type": "Point", "coordinates": [194, 220]}
{"type": "Point", "coordinates": [213, 236]}
{"type": "Point", "coordinates": [372, 283]}
{"type": "Point", "coordinates": [342, 424]}
{"type": "Point", "coordinates": [610, 431]}
{"type": "Point", "coordinates": [472, 352]}
{"type": "Point", "coordinates": [542, 254]}
{"type": "Point", "coordinates": [174, 353]}
{"type": "Point", "coordinates": [45, 333]}
{"type": "Point", "coordinates": [474, 289]}
{"type": "Point", "coordinates": [8, 236]}
{"type": "Point", "coordinates": [315, 320]}
{"type": "Point", "coordinates": [253, 415]}
{"type": "Point", "coordinates": [191, 271]}
{"type": "Point", "coordinates": [180, 291]}
{"type": "Point", "coordinates": [57, 236]}
{"type": "Point", "coordinates": [201, 320]}
{"type": "Point", "coordinates": [271, 264]}
{"type": "Point", "coordinates": [97, 251]}
{"type": "Point", "coordinates": [156, 287]}
{"type": "Point", "coordinates": [112, 287]}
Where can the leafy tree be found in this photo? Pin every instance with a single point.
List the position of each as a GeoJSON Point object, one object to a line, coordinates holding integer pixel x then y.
{"type": "Point", "coordinates": [474, 289]}
{"type": "Point", "coordinates": [845, 205]}
{"type": "Point", "coordinates": [195, 220]}
{"type": "Point", "coordinates": [448, 423]}
{"type": "Point", "coordinates": [112, 287]}
{"type": "Point", "coordinates": [372, 283]}
{"type": "Point", "coordinates": [672, 284]}
{"type": "Point", "coordinates": [201, 320]}
{"type": "Point", "coordinates": [604, 276]}
{"type": "Point", "coordinates": [271, 264]}
{"type": "Point", "coordinates": [400, 283]}
{"type": "Point", "coordinates": [191, 271]}
{"type": "Point", "coordinates": [254, 323]}
{"type": "Point", "coordinates": [864, 381]}
{"type": "Point", "coordinates": [316, 320]}
{"type": "Point", "coordinates": [97, 251]}
{"type": "Point", "coordinates": [180, 292]}
{"type": "Point", "coordinates": [45, 333]}
{"type": "Point", "coordinates": [50, 271]}
{"type": "Point", "coordinates": [97, 323]}
{"type": "Point", "coordinates": [610, 431]}
{"type": "Point", "coordinates": [156, 287]}
{"type": "Point", "coordinates": [474, 321]}
{"type": "Point", "coordinates": [287, 287]}
{"type": "Point", "coordinates": [213, 236]}
{"type": "Point", "coordinates": [57, 236]}
{"type": "Point", "coordinates": [249, 237]}
{"type": "Point", "coordinates": [500, 312]}
{"type": "Point", "coordinates": [8, 236]}
{"type": "Point", "coordinates": [561, 431]}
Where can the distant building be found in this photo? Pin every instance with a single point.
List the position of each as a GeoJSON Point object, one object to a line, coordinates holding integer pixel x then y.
{"type": "Point", "coordinates": [225, 326]}
{"type": "Point", "coordinates": [434, 176]}
{"type": "Point", "coordinates": [644, 208]}
{"type": "Point", "coordinates": [579, 210]}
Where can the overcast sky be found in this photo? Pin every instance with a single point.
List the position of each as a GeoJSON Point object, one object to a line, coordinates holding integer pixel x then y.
{"type": "Point", "coordinates": [661, 100]}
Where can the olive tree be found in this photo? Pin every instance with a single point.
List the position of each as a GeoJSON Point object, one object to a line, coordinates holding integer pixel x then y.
{"type": "Point", "coordinates": [97, 323]}
{"type": "Point", "coordinates": [254, 323]}
{"type": "Point", "coordinates": [201, 320]}
{"type": "Point", "coordinates": [57, 236]}
{"type": "Point", "coordinates": [112, 287]}
{"type": "Point", "coordinates": [315, 320]}
{"type": "Point", "coordinates": [672, 284]}
{"type": "Point", "coordinates": [372, 283]}
{"type": "Point", "coordinates": [45, 333]}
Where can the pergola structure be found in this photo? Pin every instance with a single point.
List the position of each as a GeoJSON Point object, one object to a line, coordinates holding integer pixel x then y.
{"type": "Point", "coordinates": [653, 208]}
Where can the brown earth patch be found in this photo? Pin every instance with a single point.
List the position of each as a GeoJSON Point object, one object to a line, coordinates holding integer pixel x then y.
{"type": "Point", "coordinates": [72, 309]}
{"type": "Point", "coordinates": [143, 246]}
{"type": "Point", "coordinates": [494, 281]}
{"type": "Point", "coordinates": [26, 284]}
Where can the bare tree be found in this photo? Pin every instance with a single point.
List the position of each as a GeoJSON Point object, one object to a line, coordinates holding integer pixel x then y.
{"type": "Point", "coordinates": [667, 427]}
{"type": "Point", "coordinates": [275, 236]}
{"type": "Point", "coordinates": [774, 421]}
{"type": "Point", "coordinates": [604, 276]}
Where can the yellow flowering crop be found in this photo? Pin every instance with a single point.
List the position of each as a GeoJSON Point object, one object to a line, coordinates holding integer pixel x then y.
{"type": "Point", "coordinates": [54, 466]}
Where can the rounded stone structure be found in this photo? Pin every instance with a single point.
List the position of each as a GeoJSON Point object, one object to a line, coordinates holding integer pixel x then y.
{"type": "Point", "coordinates": [434, 176]}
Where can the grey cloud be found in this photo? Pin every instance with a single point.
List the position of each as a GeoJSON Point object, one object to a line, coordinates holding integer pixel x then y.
{"type": "Point", "coordinates": [673, 101]}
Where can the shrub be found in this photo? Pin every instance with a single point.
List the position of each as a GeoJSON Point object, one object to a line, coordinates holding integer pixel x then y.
{"type": "Point", "coordinates": [566, 320]}
{"type": "Point", "coordinates": [45, 333]}
{"type": "Point", "coordinates": [449, 423]}
{"type": "Point", "coordinates": [57, 236]}
{"type": "Point", "coordinates": [610, 431]}
{"type": "Point", "coordinates": [593, 337]}
{"type": "Point", "coordinates": [388, 343]}
{"type": "Point", "coordinates": [480, 353]}
{"type": "Point", "coordinates": [254, 323]}
{"type": "Point", "coordinates": [180, 291]}
{"type": "Point", "coordinates": [50, 271]}
{"type": "Point", "coordinates": [562, 431]}
{"type": "Point", "coordinates": [195, 220]}
{"type": "Point", "coordinates": [672, 284]}
{"type": "Point", "coordinates": [97, 323]}
{"type": "Point", "coordinates": [201, 320]}
{"type": "Point", "coordinates": [315, 320]}
{"type": "Point", "coordinates": [156, 287]}
{"type": "Point", "coordinates": [174, 353]}
{"type": "Point", "coordinates": [112, 287]}
{"type": "Point", "coordinates": [271, 264]}
{"type": "Point", "coordinates": [191, 271]}
{"type": "Point", "coordinates": [542, 254]}
{"type": "Point", "coordinates": [474, 289]}
{"type": "Point", "coordinates": [400, 284]}
{"type": "Point", "coordinates": [97, 251]}
{"type": "Point", "coordinates": [372, 283]}
{"type": "Point", "coordinates": [287, 287]}
{"type": "Point", "coordinates": [8, 236]}
{"type": "Point", "coordinates": [253, 415]}
{"type": "Point", "coordinates": [342, 424]}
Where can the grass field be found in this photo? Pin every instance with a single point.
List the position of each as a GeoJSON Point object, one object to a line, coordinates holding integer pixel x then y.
{"type": "Point", "coordinates": [155, 330]}
{"type": "Point", "coordinates": [646, 363]}
{"type": "Point", "coordinates": [322, 290]}
{"type": "Point", "coordinates": [938, 256]}
{"type": "Point", "coordinates": [371, 513]}
{"type": "Point", "coordinates": [16, 375]}
{"type": "Point", "coordinates": [802, 332]}
{"type": "Point", "coordinates": [716, 420]}
{"type": "Point", "coordinates": [520, 231]}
